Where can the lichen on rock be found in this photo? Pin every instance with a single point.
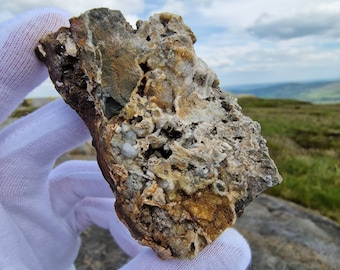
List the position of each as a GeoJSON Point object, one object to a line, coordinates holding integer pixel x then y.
{"type": "Point", "coordinates": [179, 155]}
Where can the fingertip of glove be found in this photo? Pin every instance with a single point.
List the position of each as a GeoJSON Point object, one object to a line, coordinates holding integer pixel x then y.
{"type": "Point", "coordinates": [20, 69]}
{"type": "Point", "coordinates": [229, 252]}
{"type": "Point", "coordinates": [48, 19]}
{"type": "Point", "coordinates": [234, 244]}
{"type": "Point", "coordinates": [25, 31]}
{"type": "Point", "coordinates": [32, 25]}
{"type": "Point", "coordinates": [58, 16]}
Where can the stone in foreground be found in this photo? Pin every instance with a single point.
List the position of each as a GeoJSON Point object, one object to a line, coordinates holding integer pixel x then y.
{"type": "Point", "coordinates": [181, 159]}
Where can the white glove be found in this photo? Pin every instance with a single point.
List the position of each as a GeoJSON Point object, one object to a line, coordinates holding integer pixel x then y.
{"type": "Point", "coordinates": [43, 210]}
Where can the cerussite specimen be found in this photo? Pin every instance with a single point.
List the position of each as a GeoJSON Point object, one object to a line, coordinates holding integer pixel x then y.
{"type": "Point", "coordinates": [182, 160]}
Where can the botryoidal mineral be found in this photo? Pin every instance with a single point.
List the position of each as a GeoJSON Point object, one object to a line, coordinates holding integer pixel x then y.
{"type": "Point", "coordinates": [180, 157]}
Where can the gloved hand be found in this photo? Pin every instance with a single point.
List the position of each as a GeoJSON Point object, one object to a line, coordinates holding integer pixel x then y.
{"type": "Point", "coordinates": [44, 209]}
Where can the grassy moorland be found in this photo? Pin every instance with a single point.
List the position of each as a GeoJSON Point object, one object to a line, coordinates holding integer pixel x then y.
{"type": "Point", "coordinates": [321, 92]}
{"type": "Point", "coordinates": [304, 141]}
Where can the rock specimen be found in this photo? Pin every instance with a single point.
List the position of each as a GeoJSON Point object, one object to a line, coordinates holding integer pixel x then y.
{"type": "Point", "coordinates": [182, 160]}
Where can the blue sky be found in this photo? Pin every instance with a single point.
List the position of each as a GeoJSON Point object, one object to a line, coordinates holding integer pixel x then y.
{"type": "Point", "coordinates": [243, 41]}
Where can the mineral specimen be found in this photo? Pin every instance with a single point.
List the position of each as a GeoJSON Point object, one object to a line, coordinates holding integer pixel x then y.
{"type": "Point", "coordinates": [182, 160]}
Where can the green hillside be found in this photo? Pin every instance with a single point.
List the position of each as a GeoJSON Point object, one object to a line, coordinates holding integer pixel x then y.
{"type": "Point", "coordinates": [304, 141]}
{"type": "Point", "coordinates": [316, 92]}
{"type": "Point", "coordinates": [329, 93]}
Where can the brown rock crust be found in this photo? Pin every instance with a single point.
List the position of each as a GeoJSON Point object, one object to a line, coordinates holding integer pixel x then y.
{"type": "Point", "coordinates": [180, 157]}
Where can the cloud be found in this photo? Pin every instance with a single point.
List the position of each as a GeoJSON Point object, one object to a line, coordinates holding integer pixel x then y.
{"type": "Point", "coordinates": [243, 41]}
{"type": "Point", "coordinates": [174, 6]}
{"type": "Point", "coordinates": [5, 15]}
{"type": "Point", "coordinates": [237, 15]}
{"type": "Point", "coordinates": [75, 7]}
{"type": "Point", "coordinates": [239, 58]}
{"type": "Point", "coordinates": [313, 22]}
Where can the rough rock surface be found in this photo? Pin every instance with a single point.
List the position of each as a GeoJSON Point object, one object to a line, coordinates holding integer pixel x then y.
{"type": "Point", "coordinates": [282, 236]}
{"type": "Point", "coordinates": [181, 158]}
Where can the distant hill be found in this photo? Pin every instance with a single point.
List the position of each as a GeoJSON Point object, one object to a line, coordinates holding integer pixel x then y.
{"type": "Point", "coordinates": [316, 92]}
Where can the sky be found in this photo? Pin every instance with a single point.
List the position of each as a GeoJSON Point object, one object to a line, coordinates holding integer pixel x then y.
{"type": "Point", "coordinates": [243, 41]}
